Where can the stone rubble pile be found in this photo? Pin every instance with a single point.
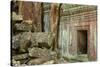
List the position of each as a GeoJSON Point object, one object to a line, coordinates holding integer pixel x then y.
{"type": "Point", "coordinates": [31, 48]}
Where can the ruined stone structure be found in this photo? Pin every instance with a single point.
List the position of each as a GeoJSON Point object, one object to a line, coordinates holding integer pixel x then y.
{"type": "Point", "coordinates": [78, 31]}
{"type": "Point", "coordinates": [49, 33]}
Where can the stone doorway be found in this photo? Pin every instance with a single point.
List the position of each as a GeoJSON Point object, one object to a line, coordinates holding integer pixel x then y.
{"type": "Point", "coordinates": [82, 41]}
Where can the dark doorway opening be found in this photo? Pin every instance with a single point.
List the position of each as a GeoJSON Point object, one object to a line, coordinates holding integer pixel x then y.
{"type": "Point", "coordinates": [82, 41]}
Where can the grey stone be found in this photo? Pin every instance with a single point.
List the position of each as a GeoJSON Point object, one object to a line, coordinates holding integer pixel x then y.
{"type": "Point", "coordinates": [16, 41]}
{"type": "Point", "coordinates": [49, 62]}
{"type": "Point", "coordinates": [38, 52]}
{"type": "Point", "coordinates": [21, 41]}
{"type": "Point", "coordinates": [16, 17]}
{"type": "Point", "coordinates": [42, 53]}
{"type": "Point", "coordinates": [20, 56]}
{"type": "Point", "coordinates": [23, 27]}
{"type": "Point", "coordinates": [37, 61]}
{"type": "Point", "coordinates": [28, 21]}
{"type": "Point", "coordinates": [15, 63]}
{"type": "Point", "coordinates": [43, 39]}
{"type": "Point", "coordinates": [25, 41]}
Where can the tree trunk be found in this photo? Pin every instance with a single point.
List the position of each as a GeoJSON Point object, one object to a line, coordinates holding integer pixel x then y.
{"type": "Point", "coordinates": [54, 20]}
{"type": "Point", "coordinates": [37, 20]}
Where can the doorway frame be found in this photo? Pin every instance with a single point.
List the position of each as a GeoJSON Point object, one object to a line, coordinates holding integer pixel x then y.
{"type": "Point", "coordinates": [79, 46]}
{"type": "Point", "coordinates": [86, 27]}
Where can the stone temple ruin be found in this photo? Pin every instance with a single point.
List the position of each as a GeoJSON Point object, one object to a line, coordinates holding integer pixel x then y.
{"type": "Point", "coordinates": [52, 33]}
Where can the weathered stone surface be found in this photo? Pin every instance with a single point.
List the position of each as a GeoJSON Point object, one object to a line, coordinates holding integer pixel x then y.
{"type": "Point", "coordinates": [23, 27]}
{"type": "Point", "coordinates": [27, 21]}
{"type": "Point", "coordinates": [15, 63]}
{"type": "Point", "coordinates": [49, 62]}
{"type": "Point", "coordinates": [28, 39]}
{"type": "Point", "coordinates": [42, 53]}
{"type": "Point", "coordinates": [37, 61]}
{"type": "Point", "coordinates": [38, 52]}
{"type": "Point", "coordinates": [16, 17]}
{"type": "Point", "coordinates": [21, 41]}
{"type": "Point", "coordinates": [62, 60]}
{"type": "Point", "coordinates": [43, 39]}
{"type": "Point", "coordinates": [34, 43]}
{"type": "Point", "coordinates": [25, 41]}
{"type": "Point", "coordinates": [16, 41]}
{"type": "Point", "coordinates": [21, 56]}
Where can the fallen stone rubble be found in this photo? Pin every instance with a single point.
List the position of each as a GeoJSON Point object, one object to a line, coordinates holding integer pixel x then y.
{"type": "Point", "coordinates": [31, 48]}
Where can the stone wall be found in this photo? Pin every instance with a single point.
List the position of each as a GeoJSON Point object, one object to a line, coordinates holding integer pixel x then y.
{"type": "Point", "coordinates": [68, 33]}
